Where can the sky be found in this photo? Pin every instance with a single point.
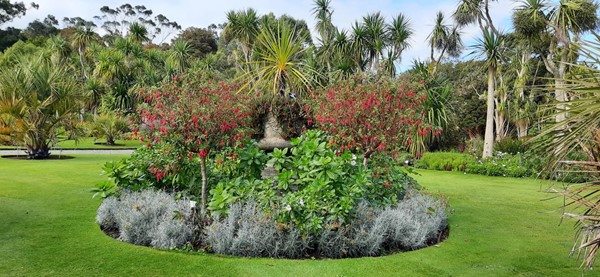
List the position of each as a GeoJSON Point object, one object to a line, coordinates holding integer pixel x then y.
{"type": "Point", "coordinates": [203, 13]}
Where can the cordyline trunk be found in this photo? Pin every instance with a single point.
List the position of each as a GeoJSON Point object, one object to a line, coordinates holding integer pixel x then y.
{"type": "Point", "coordinates": [558, 71]}
{"type": "Point", "coordinates": [560, 93]}
{"type": "Point", "coordinates": [488, 144]}
{"type": "Point", "coordinates": [521, 123]}
{"type": "Point", "coordinates": [81, 50]}
{"type": "Point", "coordinates": [501, 131]}
{"type": "Point", "coordinates": [204, 181]}
{"type": "Point", "coordinates": [522, 128]}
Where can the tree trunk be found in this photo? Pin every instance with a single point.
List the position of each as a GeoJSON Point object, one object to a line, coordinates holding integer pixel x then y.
{"type": "Point", "coordinates": [83, 75]}
{"type": "Point", "coordinates": [488, 145]}
{"type": "Point", "coordinates": [204, 182]}
{"type": "Point", "coordinates": [110, 141]}
{"type": "Point", "coordinates": [561, 98]}
{"type": "Point", "coordinates": [500, 126]}
{"type": "Point", "coordinates": [38, 153]}
{"type": "Point", "coordinates": [522, 128]}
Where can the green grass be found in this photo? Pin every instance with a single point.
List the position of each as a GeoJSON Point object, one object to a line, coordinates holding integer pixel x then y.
{"type": "Point", "coordinates": [89, 143]}
{"type": "Point", "coordinates": [499, 227]}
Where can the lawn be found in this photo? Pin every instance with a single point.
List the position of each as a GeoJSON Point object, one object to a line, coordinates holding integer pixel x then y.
{"type": "Point", "coordinates": [499, 227]}
{"type": "Point", "coordinates": [89, 143]}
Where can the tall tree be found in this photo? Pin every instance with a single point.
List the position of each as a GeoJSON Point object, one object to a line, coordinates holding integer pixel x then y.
{"type": "Point", "coordinates": [563, 22]}
{"type": "Point", "coordinates": [202, 41]}
{"type": "Point", "coordinates": [323, 13]}
{"type": "Point", "coordinates": [243, 25]}
{"type": "Point", "coordinates": [81, 39]}
{"type": "Point", "coordinates": [9, 11]}
{"type": "Point", "coordinates": [400, 33]}
{"type": "Point", "coordinates": [117, 22]}
{"type": "Point", "coordinates": [489, 46]}
{"type": "Point", "coordinates": [445, 39]}
{"type": "Point", "coordinates": [43, 29]}
{"type": "Point", "coordinates": [475, 11]}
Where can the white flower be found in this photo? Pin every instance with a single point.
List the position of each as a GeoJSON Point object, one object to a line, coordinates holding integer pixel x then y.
{"type": "Point", "coordinates": [288, 208]}
{"type": "Point", "coordinates": [301, 202]}
{"type": "Point", "coordinates": [192, 204]}
{"type": "Point", "coordinates": [353, 163]}
{"type": "Point", "coordinates": [353, 157]}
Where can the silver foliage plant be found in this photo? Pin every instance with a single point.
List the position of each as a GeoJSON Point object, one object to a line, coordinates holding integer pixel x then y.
{"type": "Point", "coordinates": [149, 218]}
{"type": "Point", "coordinates": [412, 224]}
{"type": "Point", "coordinates": [248, 232]}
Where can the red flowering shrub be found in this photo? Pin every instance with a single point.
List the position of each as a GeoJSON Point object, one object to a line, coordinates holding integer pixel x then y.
{"type": "Point", "coordinates": [195, 115]}
{"type": "Point", "coordinates": [371, 114]}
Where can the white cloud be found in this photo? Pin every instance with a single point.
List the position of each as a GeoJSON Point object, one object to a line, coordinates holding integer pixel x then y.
{"type": "Point", "coordinates": [202, 13]}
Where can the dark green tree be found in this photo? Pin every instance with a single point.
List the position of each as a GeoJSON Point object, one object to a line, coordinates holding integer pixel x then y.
{"type": "Point", "coordinates": [10, 10]}
{"type": "Point", "coordinates": [201, 41]}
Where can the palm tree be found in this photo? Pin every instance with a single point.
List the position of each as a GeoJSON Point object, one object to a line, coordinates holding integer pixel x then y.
{"type": "Point", "coordinates": [475, 11]}
{"type": "Point", "coordinates": [359, 45]}
{"type": "Point", "coordinates": [94, 90]}
{"type": "Point", "coordinates": [399, 32]}
{"type": "Point", "coordinates": [60, 49]}
{"type": "Point", "coordinates": [490, 47]}
{"type": "Point", "coordinates": [569, 19]}
{"type": "Point", "coordinates": [445, 39]}
{"type": "Point", "coordinates": [138, 33]}
{"type": "Point", "coordinates": [323, 13]}
{"type": "Point", "coordinates": [244, 26]}
{"type": "Point", "coordinates": [81, 39]}
{"type": "Point", "coordinates": [279, 67]}
{"type": "Point", "coordinates": [42, 98]}
{"type": "Point", "coordinates": [327, 31]}
{"type": "Point", "coordinates": [181, 55]}
{"type": "Point", "coordinates": [376, 33]}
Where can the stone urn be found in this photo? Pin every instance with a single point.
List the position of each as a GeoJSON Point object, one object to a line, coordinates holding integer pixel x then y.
{"type": "Point", "coordinates": [272, 140]}
{"type": "Point", "coordinates": [272, 135]}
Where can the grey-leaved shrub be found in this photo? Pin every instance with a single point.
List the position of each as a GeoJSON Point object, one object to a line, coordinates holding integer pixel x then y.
{"type": "Point", "coordinates": [149, 217]}
{"type": "Point", "coordinates": [413, 223]}
{"type": "Point", "coordinates": [248, 232]}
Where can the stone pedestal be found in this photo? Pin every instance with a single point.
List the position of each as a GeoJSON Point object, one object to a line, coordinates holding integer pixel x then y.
{"type": "Point", "coordinates": [272, 140]}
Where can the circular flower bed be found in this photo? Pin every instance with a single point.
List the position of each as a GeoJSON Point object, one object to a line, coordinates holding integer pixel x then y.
{"type": "Point", "coordinates": [321, 203]}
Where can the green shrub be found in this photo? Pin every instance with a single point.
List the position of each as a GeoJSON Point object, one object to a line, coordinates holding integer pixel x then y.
{"type": "Point", "coordinates": [448, 161]}
{"type": "Point", "coordinates": [152, 167]}
{"type": "Point", "coordinates": [108, 126]}
{"type": "Point", "coordinates": [510, 146]}
{"type": "Point", "coordinates": [315, 184]}
{"type": "Point", "coordinates": [501, 164]}
{"type": "Point", "coordinates": [474, 147]}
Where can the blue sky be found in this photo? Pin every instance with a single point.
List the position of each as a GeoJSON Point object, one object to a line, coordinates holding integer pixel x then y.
{"type": "Point", "coordinates": [202, 13]}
